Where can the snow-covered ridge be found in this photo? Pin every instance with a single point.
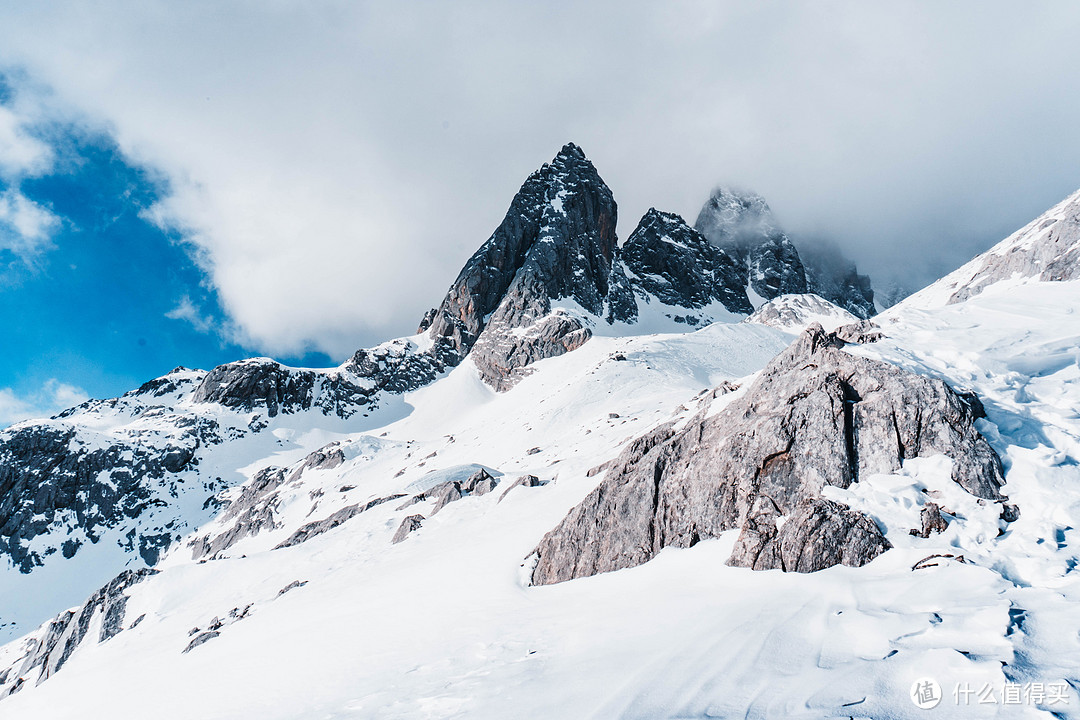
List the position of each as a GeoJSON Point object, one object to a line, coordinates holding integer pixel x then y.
{"type": "Point", "coordinates": [1047, 249]}
{"type": "Point", "coordinates": [112, 484]}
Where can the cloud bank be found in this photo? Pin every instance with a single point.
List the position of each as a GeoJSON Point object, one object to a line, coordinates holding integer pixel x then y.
{"type": "Point", "coordinates": [49, 399]}
{"type": "Point", "coordinates": [333, 164]}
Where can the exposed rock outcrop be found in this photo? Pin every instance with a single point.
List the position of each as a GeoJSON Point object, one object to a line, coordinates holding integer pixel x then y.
{"type": "Point", "coordinates": [668, 260]}
{"type": "Point", "coordinates": [249, 514]}
{"type": "Point", "coordinates": [46, 652]}
{"type": "Point", "coordinates": [408, 525]}
{"type": "Point", "coordinates": [816, 416]}
{"type": "Point", "coordinates": [556, 242]}
{"type": "Point", "coordinates": [1047, 248]}
{"type": "Point", "coordinates": [479, 483]}
{"type": "Point", "coordinates": [817, 534]}
{"type": "Point", "coordinates": [255, 508]}
{"type": "Point", "coordinates": [931, 521]}
{"type": "Point", "coordinates": [504, 352]}
{"type": "Point", "coordinates": [449, 492]}
{"type": "Point", "coordinates": [528, 481]}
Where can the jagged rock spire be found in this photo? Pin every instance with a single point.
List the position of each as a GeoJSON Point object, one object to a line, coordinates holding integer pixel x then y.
{"type": "Point", "coordinates": [558, 238]}
{"type": "Point", "coordinates": [556, 242]}
{"type": "Point", "coordinates": [673, 262]}
{"type": "Point", "coordinates": [742, 223]}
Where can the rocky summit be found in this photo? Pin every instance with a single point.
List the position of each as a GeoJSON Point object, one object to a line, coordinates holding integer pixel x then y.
{"type": "Point", "coordinates": [672, 262]}
{"type": "Point", "coordinates": [743, 224]}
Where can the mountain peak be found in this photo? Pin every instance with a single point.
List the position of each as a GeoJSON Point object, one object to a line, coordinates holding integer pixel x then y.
{"type": "Point", "coordinates": [557, 241]}
{"type": "Point", "coordinates": [734, 216]}
{"type": "Point", "coordinates": [742, 223]}
{"type": "Point", "coordinates": [671, 261]}
{"type": "Point", "coordinates": [571, 150]}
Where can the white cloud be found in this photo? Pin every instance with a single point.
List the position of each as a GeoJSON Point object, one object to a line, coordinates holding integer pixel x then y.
{"type": "Point", "coordinates": [51, 398]}
{"type": "Point", "coordinates": [20, 152]}
{"type": "Point", "coordinates": [187, 311]}
{"type": "Point", "coordinates": [26, 227]}
{"type": "Point", "coordinates": [336, 163]}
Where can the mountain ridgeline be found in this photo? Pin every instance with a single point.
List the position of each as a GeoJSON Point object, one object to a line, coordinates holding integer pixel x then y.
{"type": "Point", "coordinates": [810, 457]}
{"type": "Point", "coordinates": [554, 268]}
{"type": "Point", "coordinates": [551, 274]}
{"type": "Point", "coordinates": [742, 224]}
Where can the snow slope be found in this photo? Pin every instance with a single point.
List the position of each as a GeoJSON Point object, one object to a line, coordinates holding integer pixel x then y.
{"type": "Point", "coordinates": [1046, 249]}
{"type": "Point", "coordinates": [442, 624]}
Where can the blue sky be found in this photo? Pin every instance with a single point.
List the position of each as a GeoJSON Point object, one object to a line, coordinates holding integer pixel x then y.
{"type": "Point", "coordinates": [105, 299]}
{"type": "Point", "coordinates": [332, 165]}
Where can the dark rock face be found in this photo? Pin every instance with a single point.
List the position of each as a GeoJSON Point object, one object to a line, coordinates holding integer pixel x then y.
{"type": "Point", "coordinates": [671, 261]}
{"type": "Point", "coordinates": [55, 471]}
{"type": "Point", "coordinates": [398, 366]}
{"type": "Point", "coordinates": [835, 278]}
{"type": "Point", "coordinates": [47, 651]}
{"type": "Point", "coordinates": [556, 242]}
{"type": "Point", "coordinates": [775, 268]}
{"type": "Point", "coordinates": [262, 383]}
{"type": "Point", "coordinates": [559, 232]}
{"type": "Point", "coordinates": [816, 416]}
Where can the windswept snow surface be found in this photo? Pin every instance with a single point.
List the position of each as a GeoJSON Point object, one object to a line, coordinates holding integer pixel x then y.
{"type": "Point", "coordinates": [443, 624]}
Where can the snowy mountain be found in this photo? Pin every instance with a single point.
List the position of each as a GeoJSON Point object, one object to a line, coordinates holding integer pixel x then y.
{"type": "Point", "coordinates": [1046, 249]}
{"type": "Point", "coordinates": [742, 224]}
{"type": "Point", "coordinates": [594, 484]}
